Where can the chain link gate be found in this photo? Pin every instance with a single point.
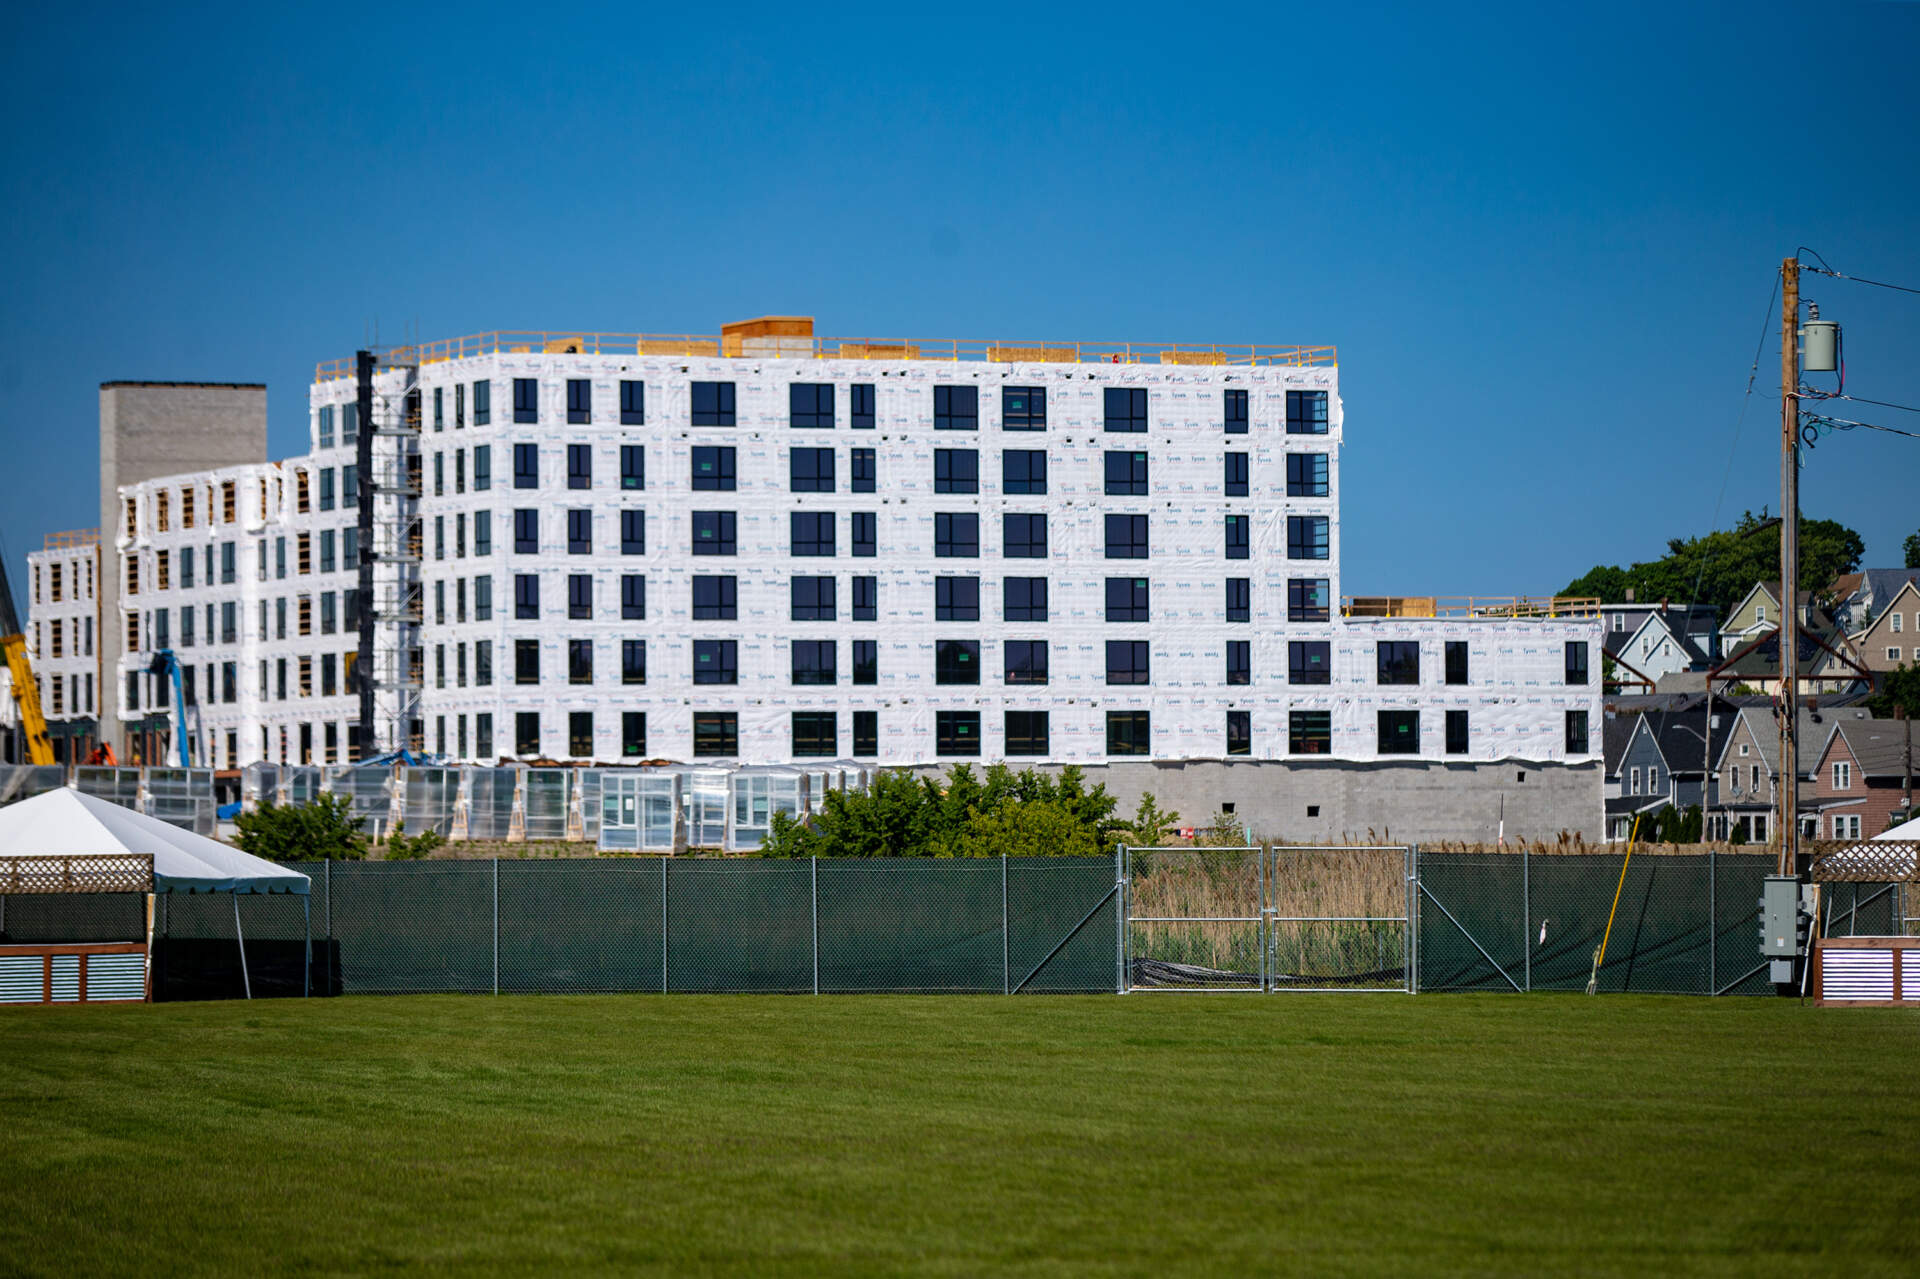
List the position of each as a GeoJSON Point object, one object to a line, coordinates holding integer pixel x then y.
{"type": "Point", "coordinates": [1279, 918]}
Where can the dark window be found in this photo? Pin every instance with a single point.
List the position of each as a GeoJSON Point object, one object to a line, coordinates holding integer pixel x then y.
{"type": "Point", "coordinates": [482, 403]}
{"type": "Point", "coordinates": [956, 661]}
{"type": "Point", "coordinates": [526, 466]}
{"type": "Point", "coordinates": [1127, 599]}
{"type": "Point", "coordinates": [956, 471]}
{"type": "Point", "coordinates": [579, 661]}
{"type": "Point", "coordinates": [1023, 408]}
{"type": "Point", "coordinates": [633, 533]}
{"type": "Point", "coordinates": [812, 532]}
{"type": "Point", "coordinates": [1306, 412]}
{"type": "Point", "coordinates": [956, 599]}
{"type": "Point", "coordinates": [1307, 599]}
{"type": "Point", "coordinates": [1239, 661]}
{"type": "Point", "coordinates": [1239, 599]}
{"type": "Point", "coordinates": [956, 536]}
{"type": "Point", "coordinates": [716, 662]}
{"type": "Point", "coordinates": [633, 403]}
{"type": "Point", "coordinates": [713, 468]}
{"type": "Point", "coordinates": [1236, 411]}
{"type": "Point", "coordinates": [1306, 475]}
{"type": "Point", "coordinates": [1309, 662]}
{"type": "Point", "coordinates": [813, 599]}
{"type": "Point", "coordinates": [1024, 599]}
{"type": "Point", "coordinates": [810, 470]}
{"type": "Point", "coordinates": [579, 401]}
{"type": "Point", "coordinates": [1398, 661]}
{"type": "Point", "coordinates": [633, 597]}
{"type": "Point", "coordinates": [956, 732]}
{"type": "Point", "coordinates": [580, 532]}
{"type": "Point", "coordinates": [956, 408]}
{"type": "Point", "coordinates": [1026, 732]}
{"type": "Point", "coordinates": [633, 724]}
{"type": "Point", "coordinates": [1126, 408]}
{"type": "Point", "coordinates": [1024, 537]}
{"type": "Point", "coordinates": [715, 599]}
{"type": "Point", "coordinates": [633, 466]}
{"type": "Point", "coordinates": [1456, 732]}
{"type": "Point", "coordinates": [483, 663]}
{"type": "Point", "coordinates": [1306, 537]}
{"type": "Point", "coordinates": [860, 415]}
{"type": "Point", "coordinates": [526, 733]}
{"type": "Point", "coordinates": [1128, 733]}
{"type": "Point", "coordinates": [482, 467]}
{"type": "Point", "coordinates": [1577, 741]}
{"type": "Point", "coordinates": [579, 596]}
{"type": "Point", "coordinates": [866, 599]}
{"type": "Point", "coordinates": [1239, 537]}
{"type": "Point", "coordinates": [866, 724]}
{"type": "Point", "coordinates": [483, 598]}
{"type": "Point", "coordinates": [1309, 732]}
{"type": "Point", "coordinates": [526, 399]}
{"type": "Point", "coordinates": [579, 466]}
{"type": "Point", "coordinates": [1399, 732]}
{"type": "Point", "coordinates": [814, 662]}
{"type": "Point", "coordinates": [526, 661]}
{"type": "Point", "coordinates": [526, 596]}
{"type": "Point", "coordinates": [713, 533]}
{"type": "Point", "coordinates": [1236, 475]}
{"type": "Point", "coordinates": [1576, 661]}
{"type": "Point", "coordinates": [526, 531]}
{"type": "Point", "coordinates": [862, 529]}
{"type": "Point", "coordinates": [810, 405]}
{"type": "Point", "coordinates": [866, 661]}
{"type": "Point", "coordinates": [716, 733]}
{"type": "Point", "coordinates": [860, 471]}
{"type": "Point", "coordinates": [1126, 537]}
{"type": "Point", "coordinates": [1026, 661]}
{"type": "Point", "coordinates": [1126, 474]}
{"type": "Point", "coordinates": [1456, 662]}
{"type": "Point", "coordinates": [816, 732]}
{"type": "Point", "coordinates": [633, 661]}
{"type": "Point", "coordinates": [1239, 732]}
{"type": "Point", "coordinates": [1127, 662]}
{"type": "Point", "coordinates": [1023, 472]}
{"type": "Point", "coordinates": [713, 404]}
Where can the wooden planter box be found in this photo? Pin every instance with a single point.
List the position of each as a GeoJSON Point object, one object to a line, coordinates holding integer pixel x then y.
{"type": "Point", "coordinates": [75, 973]}
{"type": "Point", "coordinates": [1867, 972]}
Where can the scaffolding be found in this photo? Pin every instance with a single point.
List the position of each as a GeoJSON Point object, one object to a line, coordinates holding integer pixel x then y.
{"type": "Point", "coordinates": [392, 597]}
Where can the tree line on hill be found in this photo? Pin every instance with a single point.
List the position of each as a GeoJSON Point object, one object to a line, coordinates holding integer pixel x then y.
{"type": "Point", "coordinates": [1720, 567]}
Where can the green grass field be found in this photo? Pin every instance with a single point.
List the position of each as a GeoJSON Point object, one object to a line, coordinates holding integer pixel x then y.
{"type": "Point", "coordinates": [961, 1136]}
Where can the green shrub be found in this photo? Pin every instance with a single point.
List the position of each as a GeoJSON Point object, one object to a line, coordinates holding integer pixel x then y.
{"type": "Point", "coordinates": [1024, 814]}
{"type": "Point", "coordinates": [318, 831]}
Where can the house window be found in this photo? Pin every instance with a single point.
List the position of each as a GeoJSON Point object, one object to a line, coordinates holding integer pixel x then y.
{"type": "Point", "coordinates": [1633, 780]}
{"type": "Point", "coordinates": [812, 532]}
{"type": "Point", "coordinates": [526, 531]}
{"type": "Point", "coordinates": [713, 533]}
{"type": "Point", "coordinates": [866, 729]}
{"type": "Point", "coordinates": [956, 599]}
{"type": "Point", "coordinates": [1893, 623]}
{"type": "Point", "coordinates": [1026, 732]}
{"type": "Point", "coordinates": [1577, 733]}
{"type": "Point", "coordinates": [579, 661]}
{"type": "Point", "coordinates": [1456, 732]}
{"type": "Point", "coordinates": [1126, 409]}
{"type": "Point", "coordinates": [1236, 412]}
{"type": "Point", "coordinates": [1309, 732]}
{"type": "Point", "coordinates": [1307, 537]}
{"type": "Point", "coordinates": [716, 662]}
{"type": "Point", "coordinates": [810, 405]}
{"type": "Point", "coordinates": [1239, 732]}
{"type": "Point", "coordinates": [860, 471]}
{"type": "Point", "coordinates": [1399, 732]}
{"type": "Point", "coordinates": [1846, 826]}
{"type": "Point", "coordinates": [713, 468]}
{"type": "Point", "coordinates": [526, 399]}
{"type": "Point", "coordinates": [1023, 472]}
{"type": "Point", "coordinates": [580, 532]}
{"type": "Point", "coordinates": [813, 599]}
{"type": "Point", "coordinates": [526, 466]}
{"type": "Point", "coordinates": [956, 471]}
{"type": "Point", "coordinates": [1239, 599]}
{"type": "Point", "coordinates": [1023, 408]}
{"type": "Point", "coordinates": [526, 596]}
{"type": "Point", "coordinates": [1024, 537]}
{"type": "Point", "coordinates": [716, 733]}
{"type": "Point", "coordinates": [863, 532]}
{"type": "Point", "coordinates": [956, 408]}
{"type": "Point", "coordinates": [1026, 661]}
{"type": "Point", "coordinates": [1398, 661]}
{"type": "Point", "coordinates": [633, 403]}
{"type": "Point", "coordinates": [956, 661]}
{"type": "Point", "coordinates": [1126, 537]}
{"type": "Point", "coordinates": [633, 731]}
{"type": "Point", "coordinates": [1893, 655]}
{"type": "Point", "coordinates": [1456, 660]}
{"type": "Point", "coordinates": [633, 661]}
{"type": "Point", "coordinates": [1306, 475]}
{"type": "Point", "coordinates": [1239, 537]}
{"type": "Point", "coordinates": [1307, 599]}
{"type": "Point", "coordinates": [579, 401]}
{"type": "Point", "coordinates": [579, 596]}
{"type": "Point", "coordinates": [712, 403]}
{"type": "Point", "coordinates": [956, 733]}
{"type": "Point", "coordinates": [816, 733]}
{"type": "Point", "coordinates": [814, 662]}
{"type": "Point", "coordinates": [1126, 474]}
{"type": "Point", "coordinates": [579, 466]}
{"type": "Point", "coordinates": [1576, 661]}
{"type": "Point", "coordinates": [1842, 775]}
{"type": "Point", "coordinates": [1127, 599]}
{"type": "Point", "coordinates": [866, 599]}
{"type": "Point", "coordinates": [715, 599]}
{"type": "Point", "coordinates": [526, 661]}
{"type": "Point", "coordinates": [956, 536]}
{"type": "Point", "coordinates": [1309, 662]}
{"type": "Point", "coordinates": [633, 467]}
{"type": "Point", "coordinates": [866, 662]}
{"type": "Point", "coordinates": [1306, 412]}
{"type": "Point", "coordinates": [860, 416]}
{"type": "Point", "coordinates": [633, 597]}
{"type": "Point", "coordinates": [1023, 599]}
{"type": "Point", "coordinates": [1239, 661]}
{"type": "Point", "coordinates": [1127, 662]}
{"type": "Point", "coordinates": [810, 470]}
{"type": "Point", "coordinates": [1129, 733]}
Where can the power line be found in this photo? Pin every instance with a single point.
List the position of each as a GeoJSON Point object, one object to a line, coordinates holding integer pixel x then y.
{"type": "Point", "coordinates": [1859, 279]}
{"type": "Point", "coordinates": [1859, 399]}
{"type": "Point", "coordinates": [1847, 424]}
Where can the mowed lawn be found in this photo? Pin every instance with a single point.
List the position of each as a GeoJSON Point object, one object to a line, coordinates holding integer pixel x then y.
{"type": "Point", "coordinates": [1144, 1135]}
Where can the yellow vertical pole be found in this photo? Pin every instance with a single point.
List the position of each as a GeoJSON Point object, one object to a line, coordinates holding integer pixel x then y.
{"type": "Point", "coordinates": [1600, 955]}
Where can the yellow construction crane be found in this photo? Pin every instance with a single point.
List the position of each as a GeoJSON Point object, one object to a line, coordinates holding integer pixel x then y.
{"type": "Point", "coordinates": [26, 690]}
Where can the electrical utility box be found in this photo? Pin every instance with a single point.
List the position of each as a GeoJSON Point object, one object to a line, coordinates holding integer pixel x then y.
{"type": "Point", "coordinates": [1783, 919]}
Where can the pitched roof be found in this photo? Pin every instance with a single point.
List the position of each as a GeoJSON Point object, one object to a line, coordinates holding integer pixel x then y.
{"type": "Point", "coordinates": [1615, 732]}
{"type": "Point", "coordinates": [1815, 724]}
{"type": "Point", "coordinates": [1879, 746]}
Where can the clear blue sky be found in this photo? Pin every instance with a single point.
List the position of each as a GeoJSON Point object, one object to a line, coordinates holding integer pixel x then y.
{"type": "Point", "coordinates": [1542, 240]}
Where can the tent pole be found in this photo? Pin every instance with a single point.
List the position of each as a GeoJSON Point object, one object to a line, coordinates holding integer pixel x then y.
{"type": "Point", "coordinates": [306, 937]}
{"type": "Point", "coordinates": [149, 954]}
{"type": "Point", "coordinates": [245, 980]}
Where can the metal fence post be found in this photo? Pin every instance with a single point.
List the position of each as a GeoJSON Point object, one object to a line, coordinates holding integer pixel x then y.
{"type": "Point", "coordinates": [1120, 920]}
{"type": "Point", "coordinates": [1411, 948]}
{"type": "Point", "coordinates": [1713, 922]}
{"type": "Point", "coordinates": [1526, 911]}
{"type": "Point", "coordinates": [496, 925]}
{"type": "Point", "coordinates": [1006, 939]}
{"type": "Point", "coordinates": [663, 925]}
{"type": "Point", "coordinates": [329, 881]}
{"type": "Point", "coordinates": [816, 924]}
{"type": "Point", "coordinates": [1261, 937]}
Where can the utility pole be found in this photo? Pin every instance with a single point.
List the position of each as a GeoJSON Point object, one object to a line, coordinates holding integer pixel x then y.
{"type": "Point", "coordinates": [1787, 780]}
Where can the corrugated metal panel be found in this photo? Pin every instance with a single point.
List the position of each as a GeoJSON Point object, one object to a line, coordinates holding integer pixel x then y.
{"type": "Point", "coordinates": [22, 979]}
{"type": "Point", "coordinates": [66, 979]}
{"type": "Point", "coordinates": [116, 977]}
{"type": "Point", "coordinates": [1856, 974]}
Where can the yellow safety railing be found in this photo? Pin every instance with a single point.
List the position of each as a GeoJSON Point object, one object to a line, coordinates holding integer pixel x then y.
{"type": "Point", "coordinates": [72, 537]}
{"type": "Point", "coordinates": [1489, 607]}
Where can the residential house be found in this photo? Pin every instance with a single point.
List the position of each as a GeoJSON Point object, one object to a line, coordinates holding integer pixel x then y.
{"type": "Point", "coordinates": [1858, 599]}
{"type": "Point", "coordinates": [1756, 614]}
{"type": "Point", "coordinates": [1892, 640]}
{"type": "Point", "coordinates": [1863, 777]}
{"type": "Point", "coordinates": [1663, 762]}
{"type": "Point", "coordinates": [1747, 761]}
{"type": "Point", "coordinates": [1825, 658]}
{"type": "Point", "coordinates": [1666, 642]}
